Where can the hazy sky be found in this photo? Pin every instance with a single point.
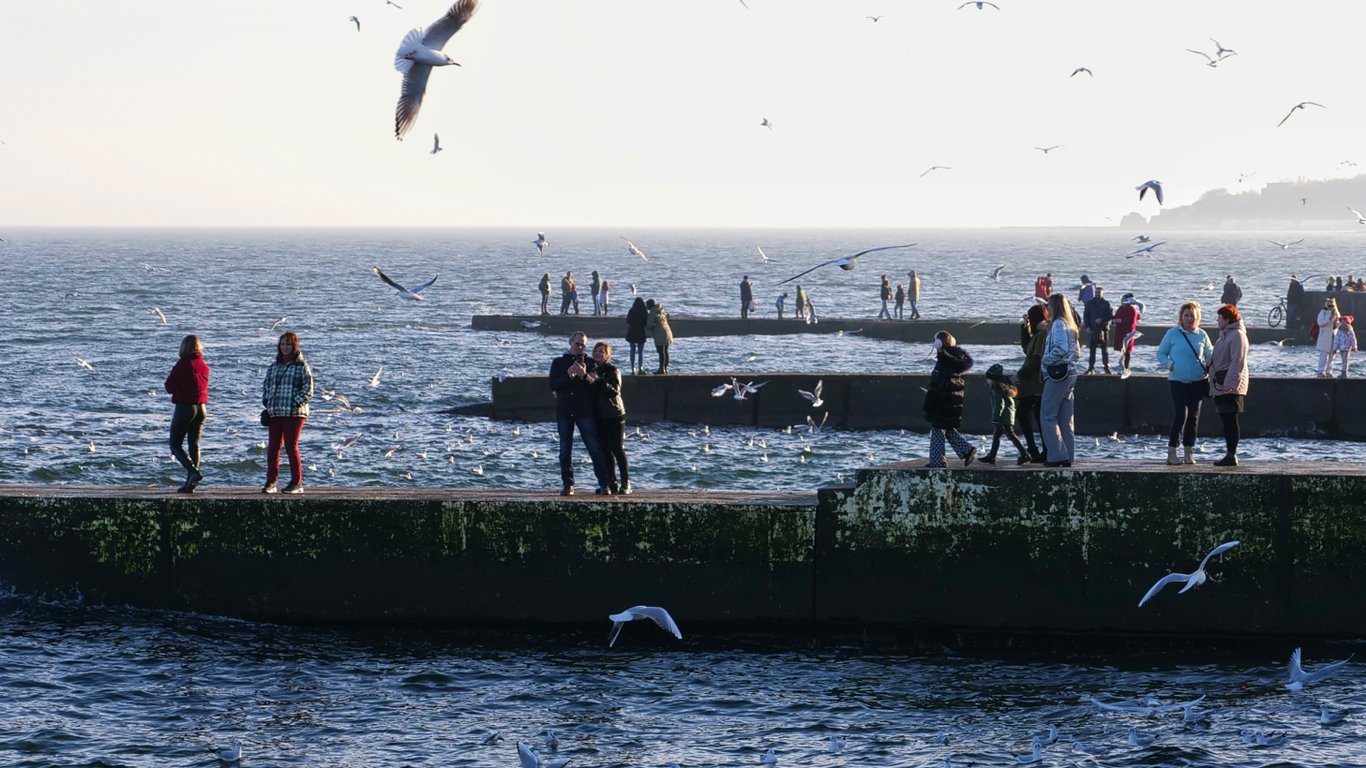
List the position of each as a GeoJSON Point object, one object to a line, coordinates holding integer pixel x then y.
{"type": "Point", "coordinates": [647, 112]}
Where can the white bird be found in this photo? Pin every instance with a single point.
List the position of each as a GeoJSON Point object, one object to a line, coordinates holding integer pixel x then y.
{"type": "Point", "coordinates": [837, 743]}
{"type": "Point", "coordinates": [996, 273]}
{"type": "Point", "coordinates": [160, 315]}
{"type": "Point", "coordinates": [418, 53]}
{"type": "Point", "coordinates": [814, 395]}
{"type": "Point", "coordinates": [374, 380]}
{"type": "Point", "coordinates": [1360, 219]}
{"type": "Point", "coordinates": [1301, 105]}
{"type": "Point", "coordinates": [1051, 738]}
{"type": "Point", "coordinates": [1154, 185]}
{"type": "Point", "coordinates": [531, 325]}
{"type": "Point", "coordinates": [1299, 678]}
{"type": "Point", "coordinates": [1328, 717]}
{"type": "Point", "coordinates": [770, 757]}
{"type": "Point", "coordinates": [82, 362]}
{"type": "Point", "coordinates": [503, 374]}
{"type": "Point", "coordinates": [846, 262]}
{"type": "Point", "coordinates": [492, 738]}
{"type": "Point", "coordinates": [1191, 580]}
{"type": "Point", "coordinates": [634, 250]}
{"type": "Point", "coordinates": [1149, 248]}
{"type": "Point", "coordinates": [762, 256]}
{"type": "Point", "coordinates": [1261, 738]}
{"type": "Point", "coordinates": [1210, 61]}
{"type": "Point", "coordinates": [347, 443]}
{"type": "Point", "coordinates": [404, 292]}
{"type": "Point", "coordinates": [436, 143]}
{"type": "Point", "coordinates": [528, 756]}
{"type": "Point", "coordinates": [1046, 150]}
{"type": "Point", "coordinates": [1079, 70]}
{"type": "Point", "coordinates": [935, 168]}
{"type": "Point", "coordinates": [979, 4]}
{"type": "Point", "coordinates": [657, 615]}
{"type": "Point", "coordinates": [393, 449]}
{"type": "Point", "coordinates": [232, 754]}
{"type": "Point", "coordinates": [874, 18]}
{"type": "Point", "coordinates": [1142, 239]}
{"type": "Point", "coordinates": [721, 389]}
{"type": "Point", "coordinates": [391, 2]}
{"type": "Point", "coordinates": [357, 22]}
{"type": "Point", "coordinates": [273, 325]}
{"type": "Point", "coordinates": [743, 390]}
{"type": "Point", "coordinates": [766, 124]}
{"type": "Point", "coordinates": [1034, 756]}
{"type": "Point", "coordinates": [1286, 246]}
{"type": "Point", "coordinates": [551, 743]}
{"type": "Point", "coordinates": [1220, 50]}
{"type": "Point", "coordinates": [1137, 739]}
{"type": "Point", "coordinates": [540, 243]}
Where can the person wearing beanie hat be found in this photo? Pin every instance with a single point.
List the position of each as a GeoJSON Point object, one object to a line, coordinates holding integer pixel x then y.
{"type": "Point", "coordinates": [1003, 394]}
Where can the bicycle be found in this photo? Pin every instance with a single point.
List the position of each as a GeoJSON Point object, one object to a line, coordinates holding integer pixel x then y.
{"type": "Point", "coordinates": [1277, 314]}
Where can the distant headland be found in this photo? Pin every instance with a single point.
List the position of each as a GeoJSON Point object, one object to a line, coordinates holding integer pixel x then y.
{"type": "Point", "coordinates": [1299, 204]}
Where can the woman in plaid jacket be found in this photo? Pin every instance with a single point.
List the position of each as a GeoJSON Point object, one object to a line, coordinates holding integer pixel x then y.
{"type": "Point", "coordinates": [288, 388]}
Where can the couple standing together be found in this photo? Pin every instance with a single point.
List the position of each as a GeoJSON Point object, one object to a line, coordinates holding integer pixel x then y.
{"type": "Point", "coordinates": [588, 397]}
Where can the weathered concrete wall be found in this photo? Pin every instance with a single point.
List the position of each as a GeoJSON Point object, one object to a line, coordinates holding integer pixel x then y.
{"type": "Point", "coordinates": [1305, 407]}
{"type": "Point", "coordinates": [967, 331]}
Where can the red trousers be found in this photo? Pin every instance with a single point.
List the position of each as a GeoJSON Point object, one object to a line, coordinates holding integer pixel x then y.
{"type": "Point", "coordinates": [286, 430]}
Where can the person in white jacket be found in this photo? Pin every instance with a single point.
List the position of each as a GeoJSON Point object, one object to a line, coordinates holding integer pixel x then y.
{"type": "Point", "coordinates": [1327, 322]}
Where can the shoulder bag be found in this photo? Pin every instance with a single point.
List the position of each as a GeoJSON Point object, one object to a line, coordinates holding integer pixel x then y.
{"type": "Point", "coordinates": [1204, 380]}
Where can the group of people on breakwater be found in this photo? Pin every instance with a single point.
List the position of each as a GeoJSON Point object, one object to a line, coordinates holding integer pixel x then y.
{"type": "Point", "coordinates": [1039, 397]}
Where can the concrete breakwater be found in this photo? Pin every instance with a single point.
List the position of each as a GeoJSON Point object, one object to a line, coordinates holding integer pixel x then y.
{"type": "Point", "coordinates": [967, 332]}
{"type": "Point", "coordinates": [987, 549]}
{"type": "Point", "coordinates": [1299, 407]}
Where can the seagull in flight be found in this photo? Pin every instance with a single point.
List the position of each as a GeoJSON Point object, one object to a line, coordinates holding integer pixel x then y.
{"type": "Point", "coordinates": [979, 4]}
{"type": "Point", "coordinates": [655, 614]}
{"type": "Point", "coordinates": [720, 390]}
{"type": "Point", "coordinates": [1154, 185]}
{"type": "Point", "coordinates": [814, 396]}
{"type": "Point", "coordinates": [1360, 219]}
{"type": "Point", "coordinates": [996, 273]}
{"type": "Point", "coordinates": [357, 22]}
{"type": "Point", "coordinates": [1142, 239]}
{"type": "Point", "coordinates": [766, 124]}
{"type": "Point", "coordinates": [1149, 248]}
{"type": "Point", "coordinates": [436, 143]}
{"type": "Point", "coordinates": [540, 242]}
{"type": "Point", "coordinates": [404, 292]}
{"type": "Point", "coordinates": [1046, 150]}
{"type": "Point", "coordinates": [1242, 177]}
{"type": "Point", "coordinates": [82, 362]}
{"type": "Point", "coordinates": [630, 246]}
{"type": "Point", "coordinates": [1193, 580]}
{"type": "Point", "coordinates": [935, 168]}
{"type": "Point", "coordinates": [1210, 61]}
{"type": "Point", "coordinates": [1220, 50]}
{"type": "Point", "coordinates": [374, 380]}
{"type": "Point", "coordinates": [1286, 246]}
{"type": "Point", "coordinates": [744, 390]}
{"type": "Point", "coordinates": [418, 53]}
{"type": "Point", "coordinates": [1301, 105]}
{"type": "Point", "coordinates": [846, 262]}
{"type": "Point", "coordinates": [1299, 678]}
{"type": "Point", "coordinates": [762, 256]}
{"type": "Point", "coordinates": [391, 2]}
{"type": "Point", "coordinates": [160, 315]}
{"type": "Point", "coordinates": [1079, 70]}
{"type": "Point", "coordinates": [874, 18]}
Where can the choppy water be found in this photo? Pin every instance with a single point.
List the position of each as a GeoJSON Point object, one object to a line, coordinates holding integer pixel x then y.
{"type": "Point", "coordinates": [90, 294]}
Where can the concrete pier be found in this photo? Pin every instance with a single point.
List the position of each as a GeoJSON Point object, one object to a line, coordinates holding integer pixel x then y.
{"type": "Point", "coordinates": [1293, 407]}
{"type": "Point", "coordinates": [968, 332]}
{"type": "Point", "coordinates": [989, 549]}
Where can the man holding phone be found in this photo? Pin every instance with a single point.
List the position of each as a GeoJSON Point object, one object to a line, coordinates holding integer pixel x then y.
{"type": "Point", "coordinates": [569, 380]}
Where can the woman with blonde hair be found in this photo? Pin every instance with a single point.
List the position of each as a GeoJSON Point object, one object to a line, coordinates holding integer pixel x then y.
{"type": "Point", "coordinates": [1185, 352]}
{"type": "Point", "coordinates": [1327, 322]}
{"type": "Point", "coordinates": [1061, 352]}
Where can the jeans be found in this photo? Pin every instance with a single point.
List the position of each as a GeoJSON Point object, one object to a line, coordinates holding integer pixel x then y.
{"type": "Point", "coordinates": [1186, 397]}
{"type": "Point", "coordinates": [884, 314]}
{"type": "Point", "coordinates": [286, 430]}
{"type": "Point", "coordinates": [1100, 339]}
{"type": "Point", "coordinates": [1055, 415]}
{"type": "Point", "coordinates": [187, 422]}
{"type": "Point", "coordinates": [637, 355]}
{"type": "Point", "coordinates": [915, 313]}
{"type": "Point", "coordinates": [612, 433]}
{"type": "Point", "coordinates": [588, 431]}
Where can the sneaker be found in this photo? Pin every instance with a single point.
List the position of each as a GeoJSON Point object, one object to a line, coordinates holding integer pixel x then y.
{"type": "Point", "coordinates": [186, 488]}
{"type": "Point", "coordinates": [972, 454]}
{"type": "Point", "coordinates": [1228, 461]}
{"type": "Point", "coordinates": [568, 490]}
{"type": "Point", "coordinates": [195, 478]}
{"type": "Point", "coordinates": [614, 488]}
{"type": "Point", "coordinates": [1024, 459]}
{"type": "Point", "coordinates": [294, 488]}
{"type": "Point", "coordinates": [270, 488]}
{"type": "Point", "coordinates": [626, 488]}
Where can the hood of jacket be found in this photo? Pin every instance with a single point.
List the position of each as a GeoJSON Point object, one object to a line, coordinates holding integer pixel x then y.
{"type": "Point", "coordinates": [954, 360]}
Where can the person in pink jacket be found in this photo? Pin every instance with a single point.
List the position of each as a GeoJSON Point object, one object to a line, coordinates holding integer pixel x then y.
{"type": "Point", "coordinates": [1228, 378]}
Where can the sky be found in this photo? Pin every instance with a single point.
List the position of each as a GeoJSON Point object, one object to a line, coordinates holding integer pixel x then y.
{"type": "Point", "coordinates": [646, 113]}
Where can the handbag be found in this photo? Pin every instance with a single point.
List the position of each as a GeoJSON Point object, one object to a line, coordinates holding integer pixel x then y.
{"type": "Point", "coordinates": [1219, 377]}
{"type": "Point", "coordinates": [1057, 371]}
{"type": "Point", "coordinates": [265, 417]}
{"type": "Point", "coordinates": [1204, 380]}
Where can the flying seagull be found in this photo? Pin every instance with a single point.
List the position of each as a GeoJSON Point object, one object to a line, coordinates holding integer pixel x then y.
{"type": "Point", "coordinates": [404, 292]}
{"type": "Point", "coordinates": [1220, 50]}
{"type": "Point", "coordinates": [357, 21]}
{"type": "Point", "coordinates": [1192, 580]}
{"type": "Point", "coordinates": [762, 256]}
{"type": "Point", "coordinates": [766, 124]}
{"type": "Point", "coordinates": [846, 262]}
{"type": "Point", "coordinates": [996, 273]}
{"type": "Point", "coordinates": [540, 242]}
{"type": "Point", "coordinates": [814, 396]}
{"type": "Point", "coordinates": [1149, 248]}
{"type": "Point", "coordinates": [1142, 239]}
{"type": "Point", "coordinates": [1301, 105]}
{"type": "Point", "coordinates": [82, 362]}
{"type": "Point", "coordinates": [391, 2]}
{"type": "Point", "coordinates": [630, 246]}
{"type": "Point", "coordinates": [1154, 185]}
{"type": "Point", "coordinates": [1360, 219]}
{"type": "Point", "coordinates": [1286, 246]}
{"type": "Point", "coordinates": [874, 18]}
{"type": "Point", "coordinates": [374, 380]}
{"type": "Point", "coordinates": [979, 4]}
{"type": "Point", "coordinates": [1079, 70]}
{"type": "Point", "coordinates": [436, 143]}
{"type": "Point", "coordinates": [1210, 61]}
{"type": "Point", "coordinates": [935, 168]}
{"type": "Point", "coordinates": [1299, 678]}
{"type": "Point", "coordinates": [160, 315]}
{"type": "Point", "coordinates": [418, 53]}
{"type": "Point", "coordinates": [1046, 150]}
{"type": "Point", "coordinates": [657, 615]}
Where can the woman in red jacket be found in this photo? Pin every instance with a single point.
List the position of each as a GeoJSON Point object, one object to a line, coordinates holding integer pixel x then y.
{"type": "Point", "coordinates": [188, 383]}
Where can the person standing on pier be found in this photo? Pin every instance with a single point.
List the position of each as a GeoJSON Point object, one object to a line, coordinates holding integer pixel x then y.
{"type": "Point", "coordinates": [1233, 293]}
{"type": "Point", "coordinates": [944, 397]}
{"type": "Point", "coordinates": [569, 380]}
{"type": "Point", "coordinates": [913, 293]}
{"type": "Point", "coordinates": [545, 293]}
{"type": "Point", "coordinates": [780, 303]}
{"type": "Point", "coordinates": [1043, 287]}
{"type": "Point", "coordinates": [188, 384]}
{"type": "Point", "coordinates": [1061, 352]}
{"type": "Point", "coordinates": [746, 297]}
{"type": "Point", "coordinates": [286, 392]}
{"type": "Point", "coordinates": [657, 325]}
{"type": "Point", "coordinates": [1126, 323]}
{"type": "Point", "coordinates": [1327, 322]}
{"type": "Point", "coordinates": [1229, 385]}
{"type": "Point", "coordinates": [801, 304]}
{"type": "Point", "coordinates": [1345, 341]}
{"type": "Point", "coordinates": [1184, 353]}
{"type": "Point", "coordinates": [885, 293]}
{"type": "Point", "coordinates": [1294, 301]}
{"type": "Point", "coordinates": [900, 301]}
{"type": "Point", "coordinates": [566, 292]}
{"type": "Point", "coordinates": [594, 285]}
{"type": "Point", "coordinates": [636, 318]}
{"type": "Point", "coordinates": [603, 296]}
{"type": "Point", "coordinates": [1029, 381]}
{"type": "Point", "coordinates": [1086, 291]}
{"type": "Point", "coordinates": [610, 411]}
{"type": "Point", "coordinates": [1097, 317]}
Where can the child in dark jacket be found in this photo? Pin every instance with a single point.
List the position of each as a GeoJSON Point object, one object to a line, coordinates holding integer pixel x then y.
{"type": "Point", "coordinates": [1003, 394]}
{"type": "Point", "coordinates": [944, 400]}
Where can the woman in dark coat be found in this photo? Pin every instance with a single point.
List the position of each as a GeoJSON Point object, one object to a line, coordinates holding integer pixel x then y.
{"type": "Point", "coordinates": [944, 400]}
{"type": "Point", "coordinates": [636, 318]}
{"type": "Point", "coordinates": [610, 413]}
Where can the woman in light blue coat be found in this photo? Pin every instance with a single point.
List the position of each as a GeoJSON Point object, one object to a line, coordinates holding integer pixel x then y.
{"type": "Point", "coordinates": [1185, 353]}
{"type": "Point", "coordinates": [1061, 351]}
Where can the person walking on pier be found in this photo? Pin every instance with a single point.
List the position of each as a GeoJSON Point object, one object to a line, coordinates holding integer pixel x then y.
{"type": "Point", "coordinates": [1003, 393]}
{"type": "Point", "coordinates": [746, 297]}
{"type": "Point", "coordinates": [1184, 352]}
{"type": "Point", "coordinates": [1229, 384]}
{"type": "Point", "coordinates": [188, 384]}
{"type": "Point", "coordinates": [1233, 293]}
{"type": "Point", "coordinates": [657, 325]}
{"type": "Point", "coordinates": [636, 318]}
{"type": "Point", "coordinates": [944, 400]}
{"type": "Point", "coordinates": [1097, 317]}
{"type": "Point", "coordinates": [913, 293]}
{"type": "Point", "coordinates": [1061, 352]}
{"type": "Point", "coordinates": [569, 380]}
{"type": "Point", "coordinates": [286, 392]}
{"type": "Point", "coordinates": [1327, 322]}
{"type": "Point", "coordinates": [1126, 323]}
{"type": "Point", "coordinates": [1029, 381]}
{"type": "Point", "coordinates": [1345, 341]}
{"type": "Point", "coordinates": [566, 292]}
{"type": "Point", "coordinates": [610, 412]}
{"type": "Point", "coordinates": [900, 302]}
{"type": "Point", "coordinates": [885, 293]}
{"type": "Point", "coordinates": [545, 293]}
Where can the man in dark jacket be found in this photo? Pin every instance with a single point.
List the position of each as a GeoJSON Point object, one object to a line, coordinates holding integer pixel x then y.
{"type": "Point", "coordinates": [1099, 314]}
{"type": "Point", "coordinates": [574, 408]}
{"type": "Point", "coordinates": [944, 400]}
{"type": "Point", "coordinates": [1233, 293]}
{"type": "Point", "coordinates": [746, 297]}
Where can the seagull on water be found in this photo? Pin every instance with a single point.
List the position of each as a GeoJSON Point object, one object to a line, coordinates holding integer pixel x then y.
{"type": "Point", "coordinates": [935, 168]}
{"type": "Point", "coordinates": [814, 396]}
{"type": "Point", "coordinates": [1195, 579]}
{"type": "Point", "coordinates": [232, 754]}
{"type": "Point", "coordinates": [1079, 70]}
{"type": "Point", "coordinates": [540, 242]}
{"type": "Point", "coordinates": [436, 143]}
{"type": "Point", "coordinates": [1329, 717]}
{"type": "Point", "coordinates": [160, 315]}
{"type": "Point", "coordinates": [1154, 185]}
{"type": "Point", "coordinates": [1035, 755]}
{"type": "Point", "coordinates": [404, 292]}
{"type": "Point", "coordinates": [530, 758]}
{"type": "Point", "coordinates": [846, 263]}
{"type": "Point", "coordinates": [1301, 105]}
{"type": "Point", "coordinates": [838, 743]}
{"type": "Point", "coordinates": [770, 757]}
{"type": "Point", "coordinates": [634, 250]}
{"type": "Point", "coordinates": [1285, 246]}
{"type": "Point", "coordinates": [1299, 678]}
{"type": "Point", "coordinates": [357, 22]}
{"type": "Point", "coordinates": [655, 614]}
{"type": "Point", "coordinates": [418, 53]}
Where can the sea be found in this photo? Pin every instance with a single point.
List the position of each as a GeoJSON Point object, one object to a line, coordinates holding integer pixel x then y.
{"type": "Point", "coordinates": [88, 685]}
